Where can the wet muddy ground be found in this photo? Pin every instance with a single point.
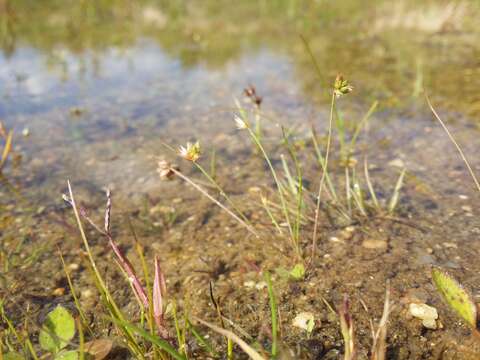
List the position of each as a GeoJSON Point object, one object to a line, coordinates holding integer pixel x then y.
{"type": "Point", "coordinates": [100, 121]}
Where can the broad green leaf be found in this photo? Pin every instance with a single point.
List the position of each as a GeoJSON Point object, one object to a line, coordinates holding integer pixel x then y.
{"type": "Point", "coordinates": [57, 330]}
{"type": "Point", "coordinates": [456, 296]}
{"type": "Point", "coordinates": [298, 272]}
{"type": "Point", "coordinates": [67, 355]}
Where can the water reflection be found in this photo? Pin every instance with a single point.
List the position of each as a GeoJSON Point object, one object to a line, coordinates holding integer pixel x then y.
{"type": "Point", "coordinates": [96, 81]}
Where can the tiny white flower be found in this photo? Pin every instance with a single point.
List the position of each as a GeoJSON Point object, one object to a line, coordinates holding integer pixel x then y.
{"type": "Point", "coordinates": [191, 152]}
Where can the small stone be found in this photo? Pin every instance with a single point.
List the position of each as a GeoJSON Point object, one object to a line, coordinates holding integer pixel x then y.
{"type": "Point", "coordinates": [261, 285]}
{"type": "Point", "coordinates": [397, 163]}
{"type": "Point", "coordinates": [58, 291]}
{"type": "Point", "coordinates": [450, 245]}
{"type": "Point", "coordinates": [249, 284]}
{"type": "Point", "coordinates": [428, 314]}
{"type": "Point", "coordinates": [305, 321]}
{"type": "Point", "coordinates": [430, 324]}
{"type": "Point", "coordinates": [467, 208]}
{"type": "Point", "coordinates": [73, 266]}
{"type": "Point", "coordinates": [374, 244]}
{"type": "Point", "coordinates": [85, 294]}
{"type": "Point", "coordinates": [254, 190]}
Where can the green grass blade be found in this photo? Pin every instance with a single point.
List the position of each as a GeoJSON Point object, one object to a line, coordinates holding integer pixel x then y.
{"type": "Point", "coordinates": [201, 340]}
{"type": "Point", "coordinates": [273, 310]}
{"type": "Point", "coordinates": [396, 193]}
{"type": "Point", "coordinates": [163, 344]}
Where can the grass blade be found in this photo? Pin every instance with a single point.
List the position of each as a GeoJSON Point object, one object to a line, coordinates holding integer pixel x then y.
{"type": "Point", "coordinates": [163, 344]}
{"type": "Point", "coordinates": [273, 311]}
{"type": "Point", "coordinates": [236, 339]}
{"type": "Point", "coordinates": [396, 193]}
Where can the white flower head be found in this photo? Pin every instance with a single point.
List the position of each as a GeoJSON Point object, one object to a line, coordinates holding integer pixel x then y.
{"type": "Point", "coordinates": [191, 152]}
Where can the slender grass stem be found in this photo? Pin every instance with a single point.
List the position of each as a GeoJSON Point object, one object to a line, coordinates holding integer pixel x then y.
{"type": "Point", "coordinates": [273, 311]}
{"type": "Point", "coordinates": [322, 180]}
{"type": "Point", "coordinates": [222, 193]}
{"type": "Point", "coordinates": [347, 191]}
{"type": "Point", "coordinates": [360, 126]}
{"type": "Point", "coordinates": [396, 193]}
{"type": "Point", "coordinates": [100, 284]}
{"type": "Point", "coordinates": [259, 145]}
{"type": "Point", "coordinates": [269, 212]}
{"type": "Point", "coordinates": [74, 295]}
{"type": "Point", "coordinates": [321, 161]}
{"type": "Point", "coordinates": [370, 186]}
{"type": "Point", "coordinates": [452, 139]}
{"type": "Point", "coordinates": [215, 201]}
{"type": "Point", "coordinates": [298, 189]}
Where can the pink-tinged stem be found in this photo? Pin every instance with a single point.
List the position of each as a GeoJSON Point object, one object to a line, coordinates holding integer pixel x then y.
{"type": "Point", "coordinates": [159, 290]}
{"type": "Point", "coordinates": [128, 268]}
{"type": "Point", "coordinates": [122, 260]}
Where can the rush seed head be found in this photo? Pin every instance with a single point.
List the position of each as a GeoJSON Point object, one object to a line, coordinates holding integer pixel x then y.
{"type": "Point", "coordinates": [341, 86]}
{"type": "Point", "coordinates": [191, 152]}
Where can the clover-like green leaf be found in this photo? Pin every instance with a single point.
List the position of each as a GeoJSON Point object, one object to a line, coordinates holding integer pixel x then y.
{"type": "Point", "coordinates": [455, 296]}
{"type": "Point", "coordinates": [298, 272]}
{"type": "Point", "coordinates": [57, 330]}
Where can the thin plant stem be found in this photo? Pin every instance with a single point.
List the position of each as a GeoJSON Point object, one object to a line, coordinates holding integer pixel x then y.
{"type": "Point", "coordinates": [322, 180]}
{"type": "Point", "coordinates": [215, 201]}
{"type": "Point", "coordinates": [74, 295]}
{"type": "Point", "coordinates": [347, 191]}
{"type": "Point", "coordinates": [370, 186]}
{"type": "Point", "coordinates": [275, 178]}
{"type": "Point", "coordinates": [452, 139]}
{"type": "Point", "coordinates": [111, 305]}
{"type": "Point", "coordinates": [359, 127]}
{"type": "Point", "coordinates": [220, 190]}
{"type": "Point", "coordinates": [269, 212]}
{"type": "Point", "coordinates": [396, 193]}
{"type": "Point", "coordinates": [273, 311]}
{"type": "Point", "coordinates": [251, 352]}
{"type": "Point", "coordinates": [321, 161]}
{"type": "Point", "coordinates": [299, 189]}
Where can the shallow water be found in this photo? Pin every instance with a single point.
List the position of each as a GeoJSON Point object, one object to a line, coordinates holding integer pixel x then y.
{"type": "Point", "coordinates": [92, 94]}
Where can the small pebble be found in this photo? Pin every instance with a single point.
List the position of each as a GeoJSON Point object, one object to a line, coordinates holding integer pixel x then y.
{"type": "Point", "coordinates": [397, 163]}
{"type": "Point", "coordinates": [260, 285]}
{"type": "Point", "coordinates": [73, 266]}
{"type": "Point", "coordinates": [449, 245]}
{"type": "Point", "coordinates": [467, 208]}
{"type": "Point", "coordinates": [249, 284]}
{"type": "Point", "coordinates": [374, 244]}
{"type": "Point", "coordinates": [85, 294]}
{"type": "Point", "coordinates": [58, 291]}
{"type": "Point", "coordinates": [304, 320]}
{"type": "Point", "coordinates": [428, 314]}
